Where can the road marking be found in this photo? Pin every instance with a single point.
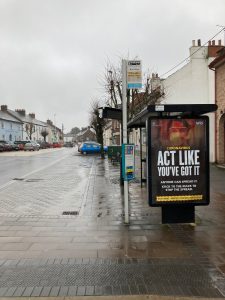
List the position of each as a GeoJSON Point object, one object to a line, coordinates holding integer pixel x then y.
{"type": "Point", "coordinates": [32, 172]}
{"type": "Point", "coordinates": [85, 194]}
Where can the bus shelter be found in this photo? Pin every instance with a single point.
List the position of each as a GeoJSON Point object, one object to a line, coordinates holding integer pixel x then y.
{"type": "Point", "coordinates": [177, 158]}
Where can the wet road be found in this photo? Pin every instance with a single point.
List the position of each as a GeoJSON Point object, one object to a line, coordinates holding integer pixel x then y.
{"type": "Point", "coordinates": [20, 164]}
{"type": "Point", "coordinates": [62, 234]}
{"type": "Point", "coordinates": [47, 182]}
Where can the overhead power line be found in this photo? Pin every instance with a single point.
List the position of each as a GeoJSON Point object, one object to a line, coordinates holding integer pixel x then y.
{"type": "Point", "coordinates": [184, 60]}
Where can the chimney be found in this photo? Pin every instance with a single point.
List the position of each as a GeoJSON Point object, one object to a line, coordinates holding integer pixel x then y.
{"type": "Point", "coordinates": [213, 49]}
{"type": "Point", "coordinates": [32, 115]}
{"type": "Point", "coordinates": [199, 42]}
{"type": "Point", "coordinates": [22, 112]}
{"type": "Point", "coordinates": [4, 107]}
{"type": "Point", "coordinates": [193, 43]}
{"type": "Point", "coordinates": [49, 122]}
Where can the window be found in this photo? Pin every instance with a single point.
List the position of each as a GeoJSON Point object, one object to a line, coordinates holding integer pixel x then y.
{"type": "Point", "coordinates": [2, 124]}
{"type": "Point", "coordinates": [11, 126]}
{"type": "Point", "coordinates": [10, 136]}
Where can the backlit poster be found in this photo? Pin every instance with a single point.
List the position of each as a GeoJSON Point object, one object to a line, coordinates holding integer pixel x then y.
{"type": "Point", "coordinates": [178, 161]}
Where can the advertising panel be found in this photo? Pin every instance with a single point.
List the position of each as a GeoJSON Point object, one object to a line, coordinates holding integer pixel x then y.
{"type": "Point", "coordinates": [178, 161]}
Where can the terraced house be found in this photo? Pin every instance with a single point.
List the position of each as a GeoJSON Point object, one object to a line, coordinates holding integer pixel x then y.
{"type": "Point", "coordinates": [11, 128]}
{"type": "Point", "coordinates": [17, 125]}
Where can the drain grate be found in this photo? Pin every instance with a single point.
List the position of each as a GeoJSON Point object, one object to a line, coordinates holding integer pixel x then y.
{"type": "Point", "coordinates": [33, 180]}
{"type": "Point", "coordinates": [71, 213]}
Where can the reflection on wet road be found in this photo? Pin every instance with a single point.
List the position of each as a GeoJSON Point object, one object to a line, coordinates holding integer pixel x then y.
{"type": "Point", "coordinates": [18, 165]}
{"type": "Point", "coordinates": [66, 217]}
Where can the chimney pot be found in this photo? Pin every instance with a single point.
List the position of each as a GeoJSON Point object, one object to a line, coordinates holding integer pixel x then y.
{"type": "Point", "coordinates": [213, 43]}
{"type": "Point", "coordinates": [32, 115]}
{"type": "Point", "coordinates": [21, 112]}
{"type": "Point", "coordinates": [4, 107]}
{"type": "Point", "coordinates": [219, 42]}
{"type": "Point", "coordinates": [199, 42]}
{"type": "Point", "coordinates": [49, 122]}
{"type": "Point", "coordinates": [209, 43]}
{"type": "Point", "coordinates": [193, 43]}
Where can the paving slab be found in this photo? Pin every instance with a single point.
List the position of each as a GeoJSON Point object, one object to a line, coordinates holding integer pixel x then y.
{"type": "Point", "coordinates": [46, 253]}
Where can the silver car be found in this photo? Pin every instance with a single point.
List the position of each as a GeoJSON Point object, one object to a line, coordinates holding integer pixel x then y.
{"type": "Point", "coordinates": [31, 146]}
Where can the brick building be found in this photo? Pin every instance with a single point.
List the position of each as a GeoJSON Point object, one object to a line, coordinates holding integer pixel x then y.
{"type": "Point", "coordinates": [87, 134]}
{"type": "Point", "coordinates": [218, 65]}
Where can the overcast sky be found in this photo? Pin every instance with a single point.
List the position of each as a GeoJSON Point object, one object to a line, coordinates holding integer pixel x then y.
{"type": "Point", "coordinates": [54, 52]}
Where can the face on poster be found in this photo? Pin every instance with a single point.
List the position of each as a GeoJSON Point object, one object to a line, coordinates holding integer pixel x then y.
{"type": "Point", "coordinates": [178, 161]}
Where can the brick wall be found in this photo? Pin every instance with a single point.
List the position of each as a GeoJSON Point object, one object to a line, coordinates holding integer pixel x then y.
{"type": "Point", "coordinates": [220, 122]}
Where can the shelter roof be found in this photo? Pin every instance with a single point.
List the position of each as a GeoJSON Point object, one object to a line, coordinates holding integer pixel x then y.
{"type": "Point", "coordinates": [170, 110]}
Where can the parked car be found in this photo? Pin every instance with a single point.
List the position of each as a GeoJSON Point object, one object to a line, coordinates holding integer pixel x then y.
{"type": "Point", "coordinates": [31, 146]}
{"type": "Point", "coordinates": [44, 145]}
{"type": "Point", "coordinates": [68, 144]}
{"type": "Point", "coordinates": [21, 144]}
{"type": "Point", "coordinates": [14, 146]}
{"type": "Point", "coordinates": [90, 147]}
{"type": "Point", "coordinates": [56, 145]}
{"type": "Point", "coordinates": [5, 146]}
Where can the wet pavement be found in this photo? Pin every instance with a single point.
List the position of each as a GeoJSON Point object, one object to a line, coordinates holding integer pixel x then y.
{"type": "Point", "coordinates": [62, 234]}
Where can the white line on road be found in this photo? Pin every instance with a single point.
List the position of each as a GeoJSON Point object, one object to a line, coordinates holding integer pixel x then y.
{"type": "Point", "coordinates": [35, 171]}
{"type": "Point", "coordinates": [84, 198]}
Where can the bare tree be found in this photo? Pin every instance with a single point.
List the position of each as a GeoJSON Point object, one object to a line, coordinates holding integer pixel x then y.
{"type": "Point", "coordinates": [44, 133]}
{"type": "Point", "coordinates": [112, 82]}
{"type": "Point", "coordinates": [30, 129]}
{"type": "Point", "coordinates": [152, 93]}
{"type": "Point", "coordinates": [75, 130]}
{"type": "Point", "coordinates": [136, 99]}
{"type": "Point", "coordinates": [97, 123]}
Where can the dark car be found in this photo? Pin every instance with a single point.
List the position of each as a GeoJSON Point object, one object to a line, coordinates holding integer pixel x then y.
{"type": "Point", "coordinates": [45, 145]}
{"type": "Point", "coordinates": [1, 147]}
{"type": "Point", "coordinates": [14, 146]}
{"type": "Point", "coordinates": [5, 146]}
{"type": "Point", "coordinates": [68, 144]}
{"type": "Point", "coordinates": [90, 147]}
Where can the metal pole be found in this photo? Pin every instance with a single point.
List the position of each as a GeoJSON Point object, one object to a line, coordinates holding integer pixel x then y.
{"type": "Point", "coordinates": [124, 106]}
{"type": "Point", "coordinates": [141, 154]}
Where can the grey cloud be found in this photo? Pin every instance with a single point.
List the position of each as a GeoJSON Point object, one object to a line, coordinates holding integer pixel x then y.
{"type": "Point", "coordinates": [53, 52]}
